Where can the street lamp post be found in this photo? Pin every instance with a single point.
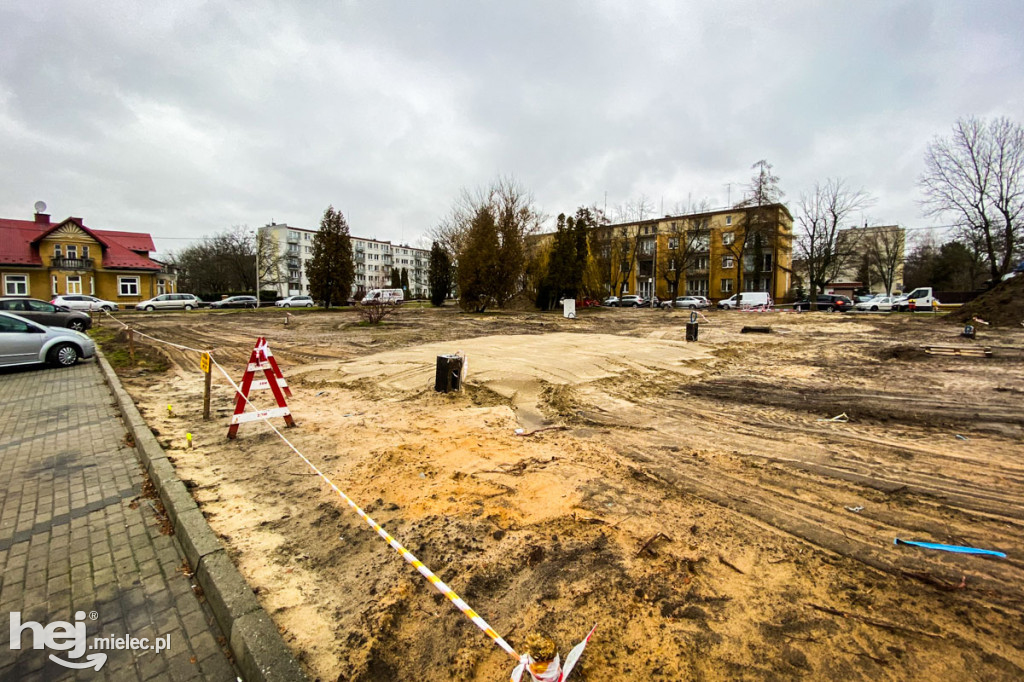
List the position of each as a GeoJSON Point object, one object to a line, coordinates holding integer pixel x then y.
{"type": "Point", "coordinates": [256, 234]}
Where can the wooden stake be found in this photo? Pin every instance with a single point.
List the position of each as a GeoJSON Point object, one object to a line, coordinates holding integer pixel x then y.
{"type": "Point", "coordinates": [131, 345]}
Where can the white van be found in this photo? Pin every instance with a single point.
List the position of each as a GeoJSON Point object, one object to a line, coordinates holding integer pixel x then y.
{"type": "Point", "coordinates": [392, 296]}
{"type": "Point", "coordinates": [750, 299]}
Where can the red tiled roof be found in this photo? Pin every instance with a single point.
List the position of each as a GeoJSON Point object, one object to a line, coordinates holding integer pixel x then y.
{"type": "Point", "coordinates": [120, 249]}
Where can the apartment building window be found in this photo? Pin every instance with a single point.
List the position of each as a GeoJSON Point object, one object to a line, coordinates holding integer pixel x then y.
{"type": "Point", "coordinates": [56, 251]}
{"type": "Point", "coordinates": [92, 285]}
{"type": "Point", "coordinates": [766, 263]}
{"type": "Point", "coordinates": [701, 262]}
{"type": "Point", "coordinates": [702, 242]}
{"type": "Point", "coordinates": [16, 285]}
{"type": "Point", "coordinates": [673, 242]}
{"type": "Point", "coordinates": [72, 251]}
{"type": "Point", "coordinates": [697, 287]}
{"type": "Point", "coordinates": [53, 285]}
{"type": "Point", "coordinates": [85, 252]}
{"type": "Point", "coordinates": [128, 286]}
{"type": "Point", "coordinates": [728, 220]}
{"type": "Point", "coordinates": [728, 238]}
{"type": "Point", "coordinates": [74, 285]}
{"type": "Point", "coordinates": [728, 262]}
{"type": "Point", "coordinates": [726, 285]}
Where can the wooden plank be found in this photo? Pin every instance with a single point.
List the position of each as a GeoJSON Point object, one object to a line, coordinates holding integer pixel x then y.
{"type": "Point", "coordinates": [262, 414]}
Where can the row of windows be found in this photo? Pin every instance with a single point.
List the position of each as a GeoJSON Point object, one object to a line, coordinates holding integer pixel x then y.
{"type": "Point", "coordinates": [17, 285]}
{"type": "Point", "coordinates": [71, 251]}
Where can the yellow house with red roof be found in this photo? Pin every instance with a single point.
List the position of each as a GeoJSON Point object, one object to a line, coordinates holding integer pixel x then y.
{"type": "Point", "coordinates": [43, 259]}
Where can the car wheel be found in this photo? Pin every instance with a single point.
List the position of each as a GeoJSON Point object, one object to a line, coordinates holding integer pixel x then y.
{"type": "Point", "coordinates": [148, 308]}
{"type": "Point", "coordinates": [830, 309]}
{"type": "Point", "coordinates": [693, 307]}
{"type": "Point", "coordinates": [63, 354]}
{"type": "Point", "coordinates": [105, 308]}
{"type": "Point", "coordinates": [874, 307]}
{"type": "Point", "coordinates": [77, 325]}
{"type": "Point", "coordinates": [188, 307]}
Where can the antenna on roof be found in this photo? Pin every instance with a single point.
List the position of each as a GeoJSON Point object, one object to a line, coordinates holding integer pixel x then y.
{"type": "Point", "coordinates": [40, 206]}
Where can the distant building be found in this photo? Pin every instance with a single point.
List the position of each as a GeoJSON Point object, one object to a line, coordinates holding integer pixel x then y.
{"type": "Point", "coordinates": [373, 260]}
{"type": "Point", "coordinates": [700, 253]}
{"type": "Point", "coordinates": [43, 259]}
{"type": "Point", "coordinates": [870, 255]}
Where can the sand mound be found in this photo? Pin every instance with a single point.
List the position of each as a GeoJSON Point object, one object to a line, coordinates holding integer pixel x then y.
{"type": "Point", "coordinates": [1003, 306]}
{"type": "Point", "coordinates": [518, 367]}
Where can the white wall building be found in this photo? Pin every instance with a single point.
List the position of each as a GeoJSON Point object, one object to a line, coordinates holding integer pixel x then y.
{"type": "Point", "coordinates": [373, 259]}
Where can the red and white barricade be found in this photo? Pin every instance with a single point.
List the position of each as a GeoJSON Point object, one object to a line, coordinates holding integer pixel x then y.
{"type": "Point", "coordinates": [261, 360]}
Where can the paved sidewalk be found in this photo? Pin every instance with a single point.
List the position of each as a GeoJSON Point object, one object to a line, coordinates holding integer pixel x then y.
{"type": "Point", "coordinates": [76, 535]}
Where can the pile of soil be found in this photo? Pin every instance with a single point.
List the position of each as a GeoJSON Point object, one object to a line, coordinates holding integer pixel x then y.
{"type": "Point", "coordinates": [1003, 306]}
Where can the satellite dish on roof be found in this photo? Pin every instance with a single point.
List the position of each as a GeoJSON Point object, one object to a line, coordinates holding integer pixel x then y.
{"type": "Point", "coordinates": [40, 206]}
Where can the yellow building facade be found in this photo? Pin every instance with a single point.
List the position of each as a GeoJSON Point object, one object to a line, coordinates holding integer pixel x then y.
{"type": "Point", "coordinates": [713, 254]}
{"type": "Point", "coordinates": [41, 259]}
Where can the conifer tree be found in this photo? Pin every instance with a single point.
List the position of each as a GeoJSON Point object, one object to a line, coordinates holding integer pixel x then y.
{"type": "Point", "coordinates": [441, 274]}
{"type": "Point", "coordinates": [331, 269]}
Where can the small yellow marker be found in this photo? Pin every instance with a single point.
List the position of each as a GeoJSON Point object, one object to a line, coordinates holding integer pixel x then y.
{"type": "Point", "coordinates": [170, 412]}
{"type": "Point", "coordinates": [188, 437]}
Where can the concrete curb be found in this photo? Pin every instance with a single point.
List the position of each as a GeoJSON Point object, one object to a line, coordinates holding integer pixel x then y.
{"type": "Point", "coordinates": [259, 651]}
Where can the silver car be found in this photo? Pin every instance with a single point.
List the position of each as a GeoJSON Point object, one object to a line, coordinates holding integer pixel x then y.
{"type": "Point", "coordinates": [24, 342]}
{"type": "Point", "coordinates": [170, 301]}
{"type": "Point", "coordinates": [83, 302]}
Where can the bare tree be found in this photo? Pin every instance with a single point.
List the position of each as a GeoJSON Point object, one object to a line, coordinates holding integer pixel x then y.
{"type": "Point", "coordinates": [688, 237]}
{"type": "Point", "coordinates": [884, 248]}
{"type": "Point", "coordinates": [763, 188]}
{"type": "Point", "coordinates": [820, 217]}
{"type": "Point", "coordinates": [977, 176]}
{"type": "Point", "coordinates": [271, 260]}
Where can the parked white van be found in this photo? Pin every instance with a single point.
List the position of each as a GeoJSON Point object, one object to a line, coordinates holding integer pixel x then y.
{"type": "Point", "coordinates": [750, 299]}
{"type": "Point", "coordinates": [394, 296]}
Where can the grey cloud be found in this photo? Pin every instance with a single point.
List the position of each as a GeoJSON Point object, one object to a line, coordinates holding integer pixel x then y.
{"type": "Point", "coordinates": [194, 117]}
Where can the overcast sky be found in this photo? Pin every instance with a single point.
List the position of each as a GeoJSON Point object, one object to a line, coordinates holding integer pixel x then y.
{"type": "Point", "coordinates": [185, 118]}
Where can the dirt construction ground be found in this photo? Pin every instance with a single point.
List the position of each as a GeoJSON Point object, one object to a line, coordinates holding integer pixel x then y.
{"type": "Point", "coordinates": [700, 504]}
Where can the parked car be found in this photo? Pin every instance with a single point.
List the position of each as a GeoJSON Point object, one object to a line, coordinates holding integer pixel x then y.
{"type": "Point", "coordinates": [631, 301]}
{"type": "Point", "coordinates": [236, 302]}
{"type": "Point", "coordinates": [748, 299]}
{"type": "Point", "coordinates": [170, 302]}
{"type": "Point", "coordinates": [295, 302]}
{"type": "Point", "coordinates": [25, 342]}
{"type": "Point", "coordinates": [81, 302]}
{"type": "Point", "coordinates": [46, 314]}
{"type": "Point", "coordinates": [876, 303]}
{"type": "Point", "coordinates": [827, 302]}
{"type": "Point", "coordinates": [611, 302]}
{"type": "Point", "coordinates": [691, 302]}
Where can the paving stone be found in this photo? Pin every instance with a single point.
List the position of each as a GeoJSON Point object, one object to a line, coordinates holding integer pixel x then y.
{"type": "Point", "coordinates": [70, 539]}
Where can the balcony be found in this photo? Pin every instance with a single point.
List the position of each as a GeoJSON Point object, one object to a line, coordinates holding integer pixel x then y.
{"type": "Point", "coordinates": [293, 238]}
{"type": "Point", "coordinates": [71, 263]}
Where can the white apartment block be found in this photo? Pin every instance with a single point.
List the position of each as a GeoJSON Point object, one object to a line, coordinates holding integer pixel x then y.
{"type": "Point", "coordinates": [374, 260]}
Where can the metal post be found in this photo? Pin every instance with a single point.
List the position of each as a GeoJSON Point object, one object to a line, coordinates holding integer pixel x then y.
{"type": "Point", "coordinates": [257, 259]}
{"type": "Point", "coordinates": [204, 364]}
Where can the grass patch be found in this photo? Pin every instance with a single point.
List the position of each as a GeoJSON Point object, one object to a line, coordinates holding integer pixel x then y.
{"type": "Point", "coordinates": [114, 343]}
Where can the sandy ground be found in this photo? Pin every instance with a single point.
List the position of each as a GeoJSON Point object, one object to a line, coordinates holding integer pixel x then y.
{"type": "Point", "coordinates": [699, 506]}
